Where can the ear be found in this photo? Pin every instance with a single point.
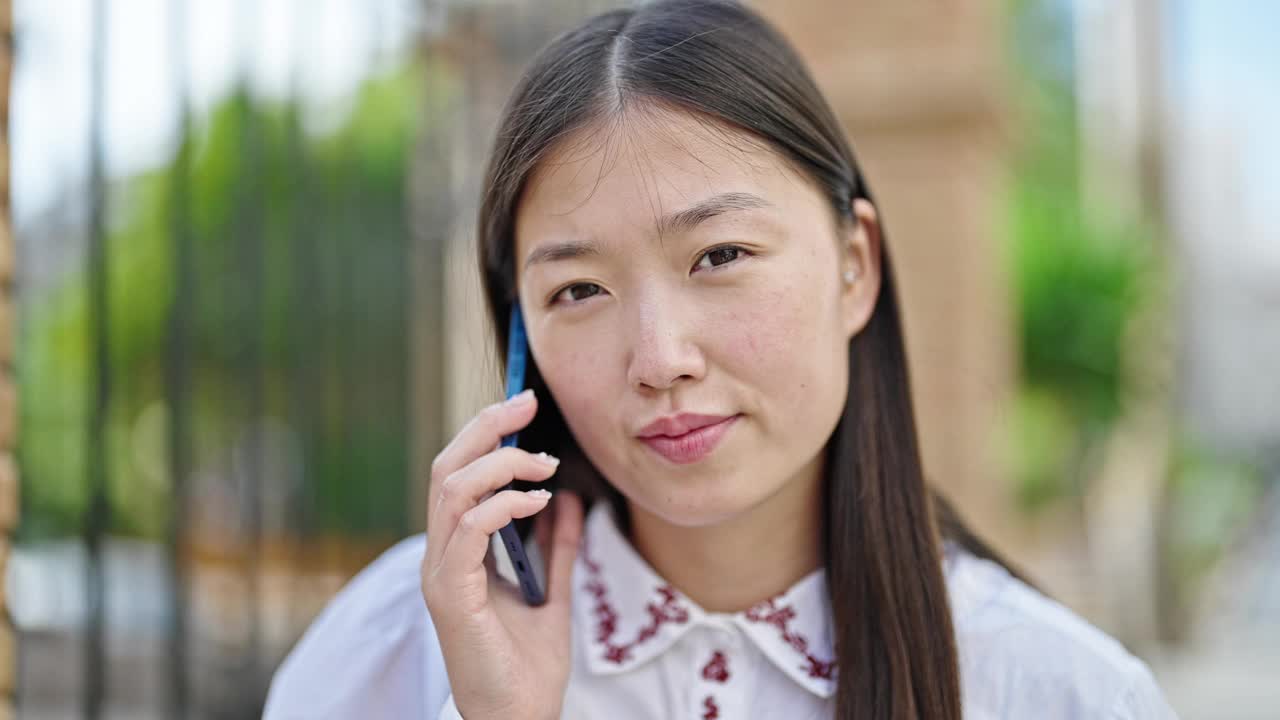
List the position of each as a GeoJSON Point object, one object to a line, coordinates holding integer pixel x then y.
{"type": "Point", "coordinates": [859, 267]}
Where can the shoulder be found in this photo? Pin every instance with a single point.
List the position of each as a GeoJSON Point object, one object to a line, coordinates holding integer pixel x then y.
{"type": "Point", "coordinates": [371, 653]}
{"type": "Point", "coordinates": [1024, 655]}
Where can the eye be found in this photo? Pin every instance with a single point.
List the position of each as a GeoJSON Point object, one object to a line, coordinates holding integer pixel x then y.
{"type": "Point", "coordinates": [577, 292]}
{"type": "Point", "coordinates": [715, 257]}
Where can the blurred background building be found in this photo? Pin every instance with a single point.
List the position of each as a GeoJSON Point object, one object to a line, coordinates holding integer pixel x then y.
{"type": "Point", "coordinates": [237, 247]}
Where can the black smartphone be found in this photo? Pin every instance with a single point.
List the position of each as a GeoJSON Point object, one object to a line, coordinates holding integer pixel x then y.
{"type": "Point", "coordinates": [526, 565]}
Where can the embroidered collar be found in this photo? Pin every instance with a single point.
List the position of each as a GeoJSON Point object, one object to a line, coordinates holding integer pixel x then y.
{"type": "Point", "coordinates": [630, 615]}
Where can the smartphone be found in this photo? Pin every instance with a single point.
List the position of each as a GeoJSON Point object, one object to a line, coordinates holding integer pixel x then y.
{"type": "Point", "coordinates": [526, 562]}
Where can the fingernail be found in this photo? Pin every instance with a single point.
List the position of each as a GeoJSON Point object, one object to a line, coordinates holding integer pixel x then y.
{"type": "Point", "coordinates": [539, 494]}
{"type": "Point", "coordinates": [551, 460]}
{"type": "Point", "coordinates": [521, 398]}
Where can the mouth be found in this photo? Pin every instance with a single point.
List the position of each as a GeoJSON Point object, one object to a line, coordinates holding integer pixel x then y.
{"type": "Point", "coordinates": [687, 439]}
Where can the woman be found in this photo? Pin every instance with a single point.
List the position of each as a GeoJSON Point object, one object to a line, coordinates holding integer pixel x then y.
{"type": "Point", "coordinates": [717, 361]}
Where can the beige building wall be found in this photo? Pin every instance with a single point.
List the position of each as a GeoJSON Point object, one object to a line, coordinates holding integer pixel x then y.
{"type": "Point", "coordinates": [918, 86]}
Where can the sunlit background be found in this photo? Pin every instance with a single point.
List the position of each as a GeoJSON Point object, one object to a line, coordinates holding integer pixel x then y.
{"type": "Point", "coordinates": [244, 317]}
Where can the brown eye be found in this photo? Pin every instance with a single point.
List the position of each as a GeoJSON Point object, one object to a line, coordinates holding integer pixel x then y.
{"type": "Point", "coordinates": [719, 256]}
{"type": "Point", "coordinates": [579, 291]}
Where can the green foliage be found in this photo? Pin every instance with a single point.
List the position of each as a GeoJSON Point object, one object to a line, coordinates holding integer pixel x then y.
{"type": "Point", "coordinates": [1078, 282]}
{"type": "Point", "coordinates": [1081, 283]}
{"type": "Point", "coordinates": [1077, 287]}
{"type": "Point", "coordinates": [1213, 495]}
{"type": "Point", "coordinates": [300, 254]}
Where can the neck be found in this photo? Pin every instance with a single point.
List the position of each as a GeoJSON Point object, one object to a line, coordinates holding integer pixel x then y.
{"type": "Point", "coordinates": [753, 556]}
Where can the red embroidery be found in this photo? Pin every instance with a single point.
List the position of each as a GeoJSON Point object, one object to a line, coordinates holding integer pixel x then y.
{"type": "Point", "coordinates": [717, 668]}
{"type": "Point", "coordinates": [769, 613]}
{"type": "Point", "coordinates": [669, 611]}
{"type": "Point", "coordinates": [713, 710]}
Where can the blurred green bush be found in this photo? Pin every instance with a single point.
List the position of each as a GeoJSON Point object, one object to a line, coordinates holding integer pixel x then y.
{"type": "Point", "coordinates": [317, 221]}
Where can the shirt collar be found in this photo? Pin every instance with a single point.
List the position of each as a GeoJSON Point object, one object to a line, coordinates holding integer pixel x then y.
{"type": "Point", "coordinates": [631, 615]}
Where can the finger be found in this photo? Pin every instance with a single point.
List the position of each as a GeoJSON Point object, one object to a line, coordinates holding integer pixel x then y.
{"type": "Point", "coordinates": [470, 542]}
{"type": "Point", "coordinates": [481, 434]}
{"type": "Point", "coordinates": [543, 525]}
{"type": "Point", "coordinates": [461, 491]}
{"type": "Point", "coordinates": [565, 541]}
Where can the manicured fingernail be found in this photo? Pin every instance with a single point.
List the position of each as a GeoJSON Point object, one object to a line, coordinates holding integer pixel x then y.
{"type": "Point", "coordinates": [521, 398]}
{"type": "Point", "coordinates": [551, 460]}
{"type": "Point", "coordinates": [539, 494]}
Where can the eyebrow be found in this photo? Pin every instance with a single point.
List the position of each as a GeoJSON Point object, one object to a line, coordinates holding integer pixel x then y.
{"type": "Point", "coordinates": [671, 223]}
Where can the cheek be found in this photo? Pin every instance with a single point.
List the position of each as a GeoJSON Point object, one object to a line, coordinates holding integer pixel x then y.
{"type": "Point", "coordinates": [579, 378]}
{"type": "Point", "coordinates": [763, 332]}
{"type": "Point", "coordinates": [572, 372]}
{"type": "Point", "coordinates": [782, 338]}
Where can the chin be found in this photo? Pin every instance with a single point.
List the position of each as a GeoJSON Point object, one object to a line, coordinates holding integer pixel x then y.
{"type": "Point", "coordinates": [686, 506]}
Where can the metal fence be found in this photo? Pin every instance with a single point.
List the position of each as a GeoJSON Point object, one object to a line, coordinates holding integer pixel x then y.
{"type": "Point", "coordinates": [233, 365]}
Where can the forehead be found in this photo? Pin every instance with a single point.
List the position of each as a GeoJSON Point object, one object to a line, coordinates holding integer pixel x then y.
{"type": "Point", "coordinates": [627, 172]}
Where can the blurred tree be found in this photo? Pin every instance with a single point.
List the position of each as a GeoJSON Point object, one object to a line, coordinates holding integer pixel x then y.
{"type": "Point", "coordinates": [332, 322]}
{"type": "Point", "coordinates": [1079, 279]}
{"type": "Point", "coordinates": [1094, 304]}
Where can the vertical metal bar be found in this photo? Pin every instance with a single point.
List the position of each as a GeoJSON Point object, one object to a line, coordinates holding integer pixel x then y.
{"type": "Point", "coordinates": [350, 308]}
{"type": "Point", "coordinates": [327, 401]}
{"type": "Point", "coordinates": [251, 370]}
{"type": "Point", "coordinates": [431, 194]}
{"type": "Point", "coordinates": [343, 310]}
{"type": "Point", "coordinates": [299, 386]}
{"type": "Point", "coordinates": [347, 304]}
{"type": "Point", "coordinates": [97, 513]}
{"type": "Point", "coordinates": [178, 376]}
{"type": "Point", "coordinates": [361, 361]}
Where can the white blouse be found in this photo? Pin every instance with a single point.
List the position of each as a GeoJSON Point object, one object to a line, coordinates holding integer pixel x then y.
{"type": "Point", "coordinates": [641, 649]}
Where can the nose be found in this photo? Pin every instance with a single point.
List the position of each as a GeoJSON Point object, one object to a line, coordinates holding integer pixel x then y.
{"type": "Point", "coordinates": [663, 349]}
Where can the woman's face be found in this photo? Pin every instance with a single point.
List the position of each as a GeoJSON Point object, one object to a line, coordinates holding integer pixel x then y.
{"type": "Point", "coordinates": [669, 266]}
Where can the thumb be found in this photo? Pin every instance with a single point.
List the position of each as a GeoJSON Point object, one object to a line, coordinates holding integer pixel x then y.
{"type": "Point", "coordinates": [564, 547]}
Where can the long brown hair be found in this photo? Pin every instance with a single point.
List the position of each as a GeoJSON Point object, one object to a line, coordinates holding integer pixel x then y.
{"type": "Point", "coordinates": [895, 645]}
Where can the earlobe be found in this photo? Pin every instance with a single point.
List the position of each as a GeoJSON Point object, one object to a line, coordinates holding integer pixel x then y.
{"type": "Point", "coordinates": [862, 271]}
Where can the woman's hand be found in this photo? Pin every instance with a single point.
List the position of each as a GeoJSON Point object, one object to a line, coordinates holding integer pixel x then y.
{"type": "Point", "coordinates": [505, 659]}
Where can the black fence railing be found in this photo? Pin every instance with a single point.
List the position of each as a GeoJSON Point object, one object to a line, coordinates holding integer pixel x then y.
{"type": "Point", "coordinates": [229, 386]}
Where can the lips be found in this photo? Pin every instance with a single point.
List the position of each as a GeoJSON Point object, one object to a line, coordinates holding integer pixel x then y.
{"type": "Point", "coordinates": [688, 437]}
